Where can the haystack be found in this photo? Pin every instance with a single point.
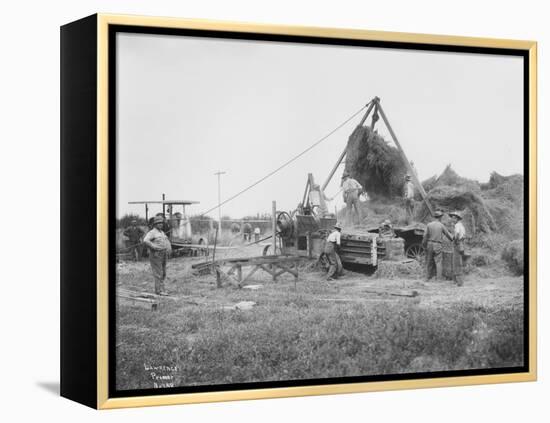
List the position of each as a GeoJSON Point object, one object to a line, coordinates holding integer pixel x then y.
{"type": "Point", "coordinates": [477, 216]}
{"type": "Point", "coordinates": [504, 197]}
{"type": "Point", "coordinates": [450, 192]}
{"type": "Point", "coordinates": [375, 164]}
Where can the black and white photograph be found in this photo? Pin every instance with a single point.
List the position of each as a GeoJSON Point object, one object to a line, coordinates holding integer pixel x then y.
{"type": "Point", "coordinates": [298, 212]}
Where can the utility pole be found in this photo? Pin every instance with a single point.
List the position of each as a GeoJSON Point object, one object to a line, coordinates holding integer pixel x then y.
{"type": "Point", "coordinates": [219, 173]}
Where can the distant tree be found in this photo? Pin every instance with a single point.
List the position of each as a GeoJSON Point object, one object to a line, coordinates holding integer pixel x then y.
{"type": "Point", "coordinates": [126, 220]}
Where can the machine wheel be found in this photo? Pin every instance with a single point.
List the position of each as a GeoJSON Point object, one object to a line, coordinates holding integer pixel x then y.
{"type": "Point", "coordinates": [285, 224]}
{"type": "Point", "coordinates": [416, 252]}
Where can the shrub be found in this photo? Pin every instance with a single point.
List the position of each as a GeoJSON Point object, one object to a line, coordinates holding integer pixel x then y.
{"type": "Point", "coordinates": [513, 255]}
{"type": "Point", "coordinates": [126, 220]}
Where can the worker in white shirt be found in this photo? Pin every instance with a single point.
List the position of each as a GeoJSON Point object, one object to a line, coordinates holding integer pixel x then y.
{"type": "Point", "coordinates": [408, 196]}
{"type": "Point", "coordinates": [332, 245]}
{"type": "Point", "coordinates": [318, 200]}
{"type": "Point", "coordinates": [352, 190]}
{"type": "Point", "coordinates": [458, 250]}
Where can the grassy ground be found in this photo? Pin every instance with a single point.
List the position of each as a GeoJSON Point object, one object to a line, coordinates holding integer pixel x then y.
{"type": "Point", "coordinates": [313, 329]}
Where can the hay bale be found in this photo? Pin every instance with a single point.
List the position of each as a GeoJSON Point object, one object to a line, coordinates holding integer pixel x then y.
{"type": "Point", "coordinates": [375, 164]}
{"type": "Point", "coordinates": [512, 254]}
{"type": "Point", "coordinates": [395, 249]}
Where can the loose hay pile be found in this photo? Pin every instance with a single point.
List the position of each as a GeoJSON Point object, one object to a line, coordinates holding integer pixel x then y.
{"type": "Point", "coordinates": [492, 212]}
{"type": "Point", "coordinates": [493, 207]}
{"type": "Point", "coordinates": [513, 255]}
{"type": "Point", "coordinates": [375, 164]}
{"type": "Point", "coordinates": [487, 208]}
{"type": "Point", "coordinates": [410, 269]}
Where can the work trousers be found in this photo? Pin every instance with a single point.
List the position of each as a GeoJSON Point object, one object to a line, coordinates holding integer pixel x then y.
{"type": "Point", "coordinates": [458, 264]}
{"type": "Point", "coordinates": [136, 249]}
{"type": "Point", "coordinates": [335, 264]}
{"type": "Point", "coordinates": [434, 260]}
{"type": "Point", "coordinates": [409, 207]}
{"type": "Point", "coordinates": [158, 267]}
{"type": "Point", "coordinates": [351, 198]}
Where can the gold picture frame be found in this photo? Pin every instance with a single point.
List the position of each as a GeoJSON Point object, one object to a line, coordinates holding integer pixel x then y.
{"type": "Point", "coordinates": [80, 387]}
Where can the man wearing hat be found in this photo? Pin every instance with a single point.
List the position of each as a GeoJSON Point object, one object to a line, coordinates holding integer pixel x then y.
{"type": "Point", "coordinates": [352, 190]}
{"type": "Point", "coordinates": [134, 234]}
{"type": "Point", "coordinates": [433, 243]}
{"type": "Point", "coordinates": [159, 249]}
{"type": "Point", "coordinates": [386, 229]}
{"type": "Point", "coordinates": [332, 244]}
{"type": "Point", "coordinates": [458, 250]}
{"type": "Point", "coordinates": [408, 196]}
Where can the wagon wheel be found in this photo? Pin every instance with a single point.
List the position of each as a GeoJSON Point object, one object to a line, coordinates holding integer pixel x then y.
{"type": "Point", "coordinates": [416, 252]}
{"type": "Point", "coordinates": [324, 262]}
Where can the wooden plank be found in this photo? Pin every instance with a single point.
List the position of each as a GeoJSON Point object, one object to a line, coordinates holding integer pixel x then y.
{"type": "Point", "coordinates": [239, 274]}
{"type": "Point", "coordinates": [131, 293]}
{"type": "Point", "coordinates": [254, 269]}
{"type": "Point", "coordinates": [229, 277]}
{"type": "Point", "coordinates": [266, 269]}
{"type": "Point", "coordinates": [145, 303]}
{"type": "Point", "coordinates": [288, 270]}
{"type": "Point", "coordinates": [397, 293]}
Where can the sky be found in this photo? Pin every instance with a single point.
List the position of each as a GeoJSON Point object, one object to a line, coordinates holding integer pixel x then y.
{"type": "Point", "coordinates": [189, 107]}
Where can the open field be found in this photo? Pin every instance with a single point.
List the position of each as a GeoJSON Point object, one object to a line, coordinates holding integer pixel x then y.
{"type": "Point", "coordinates": [313, 329]}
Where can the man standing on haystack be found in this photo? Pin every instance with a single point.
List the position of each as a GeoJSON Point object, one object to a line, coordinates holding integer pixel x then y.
{"type": "Point", "coordinates": [352, 190]}
{"type": "Point", "coordinates": [458, 247]}
{"type": "Point", "coordinates": [332, 244]}
{"type": "Point", "coordinates": [433, 244]}
{"type": "Point", "coordinates": [408, 196]}
{"type": "Point", "coordinates": [159, 250]}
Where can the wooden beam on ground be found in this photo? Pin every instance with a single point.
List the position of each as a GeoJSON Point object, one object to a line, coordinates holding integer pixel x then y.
{"type": "Point", "coordinates": [396, 293]}
{"type": "Point", "coordinates": [129, 300]}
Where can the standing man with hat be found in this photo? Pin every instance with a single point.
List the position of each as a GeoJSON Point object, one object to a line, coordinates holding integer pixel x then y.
{"type": "Point", "coordinates": [408, 196]}
{"type": "Point", "coordinates": [159, 249]}
{"type": "Point", "coordinates": [332, 244]}
{"type": "Point", "coordinates": [458, 250]}
{"type": "Point", "coordinates": [134, 234]}
{"type": "Point", "coordinates": [352, 190]}
{"type": "Point", "coordinates": [433, 243]}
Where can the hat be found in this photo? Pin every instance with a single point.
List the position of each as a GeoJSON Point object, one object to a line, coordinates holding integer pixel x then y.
{"type": "Point", "coordinates": [158, 219]}
{"type": "Point", "coordinates": [386, 222]}
{"type": "Point", "coordinates": [337, 226]}
{"type": "Point", "coordinates": [438, 213]}
{"type": "Point", "coordinates": [457, 214]}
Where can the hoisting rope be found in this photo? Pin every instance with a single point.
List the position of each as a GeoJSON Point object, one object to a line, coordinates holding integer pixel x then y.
{"type": "Point", "coordinates": [315, 144]}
